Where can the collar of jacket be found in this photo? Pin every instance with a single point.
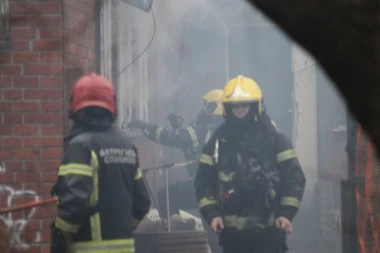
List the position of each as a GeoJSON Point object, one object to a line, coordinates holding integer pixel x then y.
{"type": "Point", "coordinates": [74, 131]}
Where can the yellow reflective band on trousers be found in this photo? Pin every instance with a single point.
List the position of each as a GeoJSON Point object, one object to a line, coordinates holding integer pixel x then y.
{"type": "Point", "coordinates": [206, 159]}
{"type": "Point", "coordinates": [138, 174]}
{"type": "Point", "coordinates": [206, 202]}
{"type": "Point", "coordinates": [193, 136]}
{"type": "Point", "coordinates": [239, 222]}
{"type": "Point", "coordinates": [108, 246]}
{"type": "Point", "coordinates": [286, 155]}
{"type": "Point", "coordinates": [290, 201]}
{"type": "Point", "coordinates": [226, 178]}
{"type": "Point", "coordinates": [158, 133]}
{"type": "Point", "coordinates": [96, 232]}
{"type": "Point", "coordinates": [65, 226]}
{"type": "Point", "coordinates": [75, 168]}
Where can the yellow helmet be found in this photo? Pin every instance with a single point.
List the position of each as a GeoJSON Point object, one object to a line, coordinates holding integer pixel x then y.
{"type": "Point", "coordinates": [242, 89]}
{"type": "Point", "coordinates": [213, 102]}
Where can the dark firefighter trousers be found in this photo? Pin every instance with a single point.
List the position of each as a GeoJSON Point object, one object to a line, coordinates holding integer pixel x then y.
{"type": "Point", "coordinates": [182, 196]}
{"type": "Point", "coordinates": [243, 242]}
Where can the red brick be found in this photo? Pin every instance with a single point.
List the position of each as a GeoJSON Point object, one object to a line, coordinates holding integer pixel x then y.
{"type": "Point", "coordinates": [6, 154]}
{"type": "Point", "coordinates": [25, 82]}
{"type": "Point", "coordinates": [5, 129]}
{"type": "Point", "coordinates": [46, 226]}
{"type": "Point", "coordinates": [75, 50]}
{"type": "Point", "coordinates": [51, 129]}
{"type": "Point", "coordinates": [26, 129]}
{"type": "Point", "coordinates": [51, 56]}
{"type": "Point", "coordinates": [20, 45]}
{"type": "Point", "coordinates": [32, 248]}
{"type": "Point", "coordinates": [37, 118]}
{"type": "Point", "coordinates": [14, 166]}
{"type": "Point", "coordinates": [78, 5]}
{"type": "Point", "coordinates": [5, 81]}
{"type": "Point", "coordinates": [25, 57]}
{"type": "Point", "coordinates": [42, 165]}
{"type": "Point", "coordinates": [51, 153]}
{"type": "Point", "coordinates": [12, 142]}
{"type": "Point", "coordinates": [30, 106]}
{"type": "Point", "coordinates": [22, 8]}
{"type": "Point", "coordinates": [77, 15]}
{"type": "Point", "coordinates": [23, 33]}
{"type": "Point", "coordinates": [45, 239]}
{"type": "Point", "coordinates": [51, 33]}
{"type": "Point", "coordinates": [76, 27]}
{"type": "Point", "coordinates": [76, 61]}
{"type": "Point", "coordinates": [5, 106]}
{"type": "Point", "coordinates": [42, 189]}
{"type": "Point", "coordinates": [29, 237]}
{"type": "Point", "coordinates": [19, 21]}
{"type": "Point", "coordinates": [80, 39]}
{"type": "Point", "coordinates": [47, 45]}
{"type": "Point", "coordinates": [30, 153]}
{"type": "Point", "coordinates": [12, 118]}
{"type": "Point", "coordinates": [10, 70]}
{"type": "Point", "coordinates": [33, 225]}
{"type": "Point", "coordinates": [50, 81]}
{"type": "Point", "coordinates": [49, 7]}
{"type": "Point", "coordinates": [43, 69]}
{"type": "Point", "coordinates": [5, 58]}
{"type": "Point", "coordinates": [14, 94]}
{"type": "Point", "coordinates": [43, 93]}
{"type": "Point", "coordinates": [44, 213]}
{"type": "Point", "coordinates": [50, 141]}
{"type": "Point", "coordinates": [54, 105]}
{"type": "Point", "coordinates": [44, 21]}
{"type": "Point", "coordinates": [49, 176]}
{"type": "Point", "coordinates": [91, 65]}
{"type": "Point", "coordinates": [27, 177]}
{"type": "Point", "coordinates": [6, 178]}
{"type": "Point", "coordinates": [46, 248]}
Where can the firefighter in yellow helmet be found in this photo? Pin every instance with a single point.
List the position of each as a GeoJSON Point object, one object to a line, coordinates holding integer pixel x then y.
{"type": "Point", "coordinates": [101, 193]}
{"type": "Point", "coordinates": [249, 183]}
{"type": "Point", "coordinates": [191, 140]}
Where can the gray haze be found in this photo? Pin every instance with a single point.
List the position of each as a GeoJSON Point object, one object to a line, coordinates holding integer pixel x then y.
{"type": "Point", "coordinates": [200, 44]}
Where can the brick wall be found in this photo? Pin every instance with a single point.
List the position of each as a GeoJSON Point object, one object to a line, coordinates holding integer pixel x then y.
{"type": "Point", "coordinates": [79, 28]}
{"type": "Point", "coordinates": [48, 40]}
{"type": "Point", "coordinates": [79, 44]}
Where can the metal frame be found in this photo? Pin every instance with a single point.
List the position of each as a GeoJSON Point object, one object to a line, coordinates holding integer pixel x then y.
{"type": "Point", "coordinates": [166, 168]}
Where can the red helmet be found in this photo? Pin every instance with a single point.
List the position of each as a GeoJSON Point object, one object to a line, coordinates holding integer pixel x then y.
{"type": "Point", "coordinates": [93, 90]}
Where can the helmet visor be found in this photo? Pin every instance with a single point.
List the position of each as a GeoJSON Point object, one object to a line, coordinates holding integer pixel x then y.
{"type": "Point", "coordinates": [210, 107]}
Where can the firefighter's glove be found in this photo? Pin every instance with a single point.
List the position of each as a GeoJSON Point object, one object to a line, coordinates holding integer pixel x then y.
{"type": "Point", "coordinates": [283, 224]}
{"type": "Point", "coordinates": [217, 224]}
{"type": "Point", "coordinates": [138, 124]}
{"type": "Point", "coordinates": [58, 242]}
{"type": "Point", "coordinates": [175, 120]}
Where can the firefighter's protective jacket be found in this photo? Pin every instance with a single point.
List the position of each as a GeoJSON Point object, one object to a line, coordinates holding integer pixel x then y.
{"type": "Point", "coordinates": [190, 139]}
{"type": "Point", "coordinates": [100, 191]}
{"type": "Point", "coordinates": [217, 173]}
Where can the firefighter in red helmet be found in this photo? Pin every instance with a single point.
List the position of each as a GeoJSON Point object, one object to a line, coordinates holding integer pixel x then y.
{"type": "Point", "coordinates": [99, 170]}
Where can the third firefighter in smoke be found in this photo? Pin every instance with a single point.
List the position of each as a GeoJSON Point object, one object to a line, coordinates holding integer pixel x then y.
{"type": "Point", "coordinates": [191, 140]}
